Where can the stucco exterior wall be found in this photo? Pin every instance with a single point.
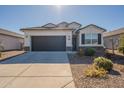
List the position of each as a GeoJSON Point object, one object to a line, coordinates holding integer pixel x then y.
{"type": "Point", "coordinates": [90, 29]}
{"type": "Point", "coordinates": [11, 42]}
{"type": "Point", "coordinates": [67, 33]}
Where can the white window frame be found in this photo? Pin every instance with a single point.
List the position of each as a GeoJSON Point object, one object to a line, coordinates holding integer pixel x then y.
{"type": "Point", "coordinates": [91, 38]}
{"type": "Point", "coordinates": [82, 45]}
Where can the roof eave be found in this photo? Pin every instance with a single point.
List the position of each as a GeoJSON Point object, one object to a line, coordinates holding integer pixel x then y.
{"type": "Point", "coordinates": [104, 30]}
{"type": "Point", "coordinates": [45, 29]}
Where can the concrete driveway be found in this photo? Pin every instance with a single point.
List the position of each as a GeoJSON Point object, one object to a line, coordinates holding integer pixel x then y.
{"type": "Point", "coordinates": [37, 69]}
{"type": "Point", "coordinates": [39, 57]}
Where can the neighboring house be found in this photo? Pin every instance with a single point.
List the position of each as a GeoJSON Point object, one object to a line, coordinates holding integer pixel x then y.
{"type": "Point", "coordinates": [11, 40]}
{"type": "Point", "coordinates": [62, 37]}
{"type": "Point", "coordinates": [113, 37]}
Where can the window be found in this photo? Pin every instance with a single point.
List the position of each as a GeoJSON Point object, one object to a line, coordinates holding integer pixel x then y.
{"type": "Point", "coordinates": [87, 38]}
{"type": "Point", "coordinates": [94, 38]}
{"type": "Point", "coordinates": [91, 38]}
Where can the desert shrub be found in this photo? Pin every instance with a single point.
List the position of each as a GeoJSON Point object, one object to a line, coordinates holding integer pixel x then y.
{"type": "Point", "coordinates": [107, 54]}
{"type": "Point", "coordinates": [80, 52]}
{"type": "Point", "coordinates": [121, 49]}
{"type": "Point", "coordinates": [101, 62]}
{"type": "Point", "coordinates": [89, 52]}
{"type": "Point", "coordinates": [96, 72]}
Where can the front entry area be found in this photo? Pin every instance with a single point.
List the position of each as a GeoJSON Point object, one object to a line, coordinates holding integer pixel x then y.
{"type": "Point", "coordinates": [48, 43]}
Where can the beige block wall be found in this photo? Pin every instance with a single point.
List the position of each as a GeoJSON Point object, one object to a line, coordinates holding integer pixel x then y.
{"type": "Point", "coordinates": [11, 42]}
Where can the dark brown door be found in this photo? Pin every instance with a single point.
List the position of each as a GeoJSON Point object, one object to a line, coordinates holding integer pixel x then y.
{"type": "Point", "coordinates": [48, 43]}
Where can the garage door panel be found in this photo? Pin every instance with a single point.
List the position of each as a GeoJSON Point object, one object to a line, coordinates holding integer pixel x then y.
{"type": "Point", "coordinates": [48, 43]}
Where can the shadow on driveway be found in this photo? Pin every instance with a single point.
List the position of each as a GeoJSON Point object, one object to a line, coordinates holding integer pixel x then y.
{"type": "Point", "coordinates": [38, 57]}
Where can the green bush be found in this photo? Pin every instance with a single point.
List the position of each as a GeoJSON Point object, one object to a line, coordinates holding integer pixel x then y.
{"type": "Point", "coordinates": [89, 52]}
{"type": "Point", "coordinates": [106, 51]}
{"type": "Point", "coordinates": [96, 72]}
{"type": "Point", "coordinates": [80, 52]}
{"type": "Point", "coordinates": [121, 49]}
{"type": "Point", "coordinates": [107, 54]}
{"type": "Point", "coordinates": [101, 62]}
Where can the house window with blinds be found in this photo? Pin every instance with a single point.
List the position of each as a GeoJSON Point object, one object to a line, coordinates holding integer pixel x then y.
{"type": "Point", "coordinates": [91, 38]}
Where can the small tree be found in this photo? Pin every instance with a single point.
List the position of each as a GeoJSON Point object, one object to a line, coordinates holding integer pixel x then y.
{"type": "Point", "coordinates": [112, 42]}
{"type": "Point", "coordinates": [121, 44]}
{"type": "Point", "coordinates": [1, 49]}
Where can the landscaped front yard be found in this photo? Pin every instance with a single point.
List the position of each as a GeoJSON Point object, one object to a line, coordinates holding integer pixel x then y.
{"type": "Point", "coordinates": [115, 78]}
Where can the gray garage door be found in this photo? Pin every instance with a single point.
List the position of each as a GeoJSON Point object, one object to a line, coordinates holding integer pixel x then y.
{"type": "Point", "coordinates": [48, 43]}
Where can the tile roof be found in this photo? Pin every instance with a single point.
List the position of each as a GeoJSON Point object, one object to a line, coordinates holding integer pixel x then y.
{"type": "Point", "coordinates": [93, 25]}
{"type": "Point", "coordinates": [53, 26]}
{"type": "Point", "coordinates": [88, 26]}
{"type": "Point", "coordinates": [115, 32]}
{"type": "Point", "coordinates": [49, 25]}
{"type": "Point", "coordinates": [64, 23]}
{"type": "Point", "coordinates": [10, 33]}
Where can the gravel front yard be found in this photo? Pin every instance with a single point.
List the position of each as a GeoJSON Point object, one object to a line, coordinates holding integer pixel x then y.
{"type": "Point", "coordinates": [79, 64]}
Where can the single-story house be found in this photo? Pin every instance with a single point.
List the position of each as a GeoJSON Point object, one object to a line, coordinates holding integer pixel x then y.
{"type": "Point", "coordinates": [113, 38]}
{"type": "Point", "coordinates": [63, 37]}
{"type": "Point", "coordinates": [10, 40]}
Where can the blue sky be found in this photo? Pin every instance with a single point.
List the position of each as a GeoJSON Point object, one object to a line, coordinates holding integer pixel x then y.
{"type": "Point", "coordinates": [16, 17]}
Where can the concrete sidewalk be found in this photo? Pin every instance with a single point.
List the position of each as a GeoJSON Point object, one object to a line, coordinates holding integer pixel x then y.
{"type": "Point", "coordinates": [36, 76]}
